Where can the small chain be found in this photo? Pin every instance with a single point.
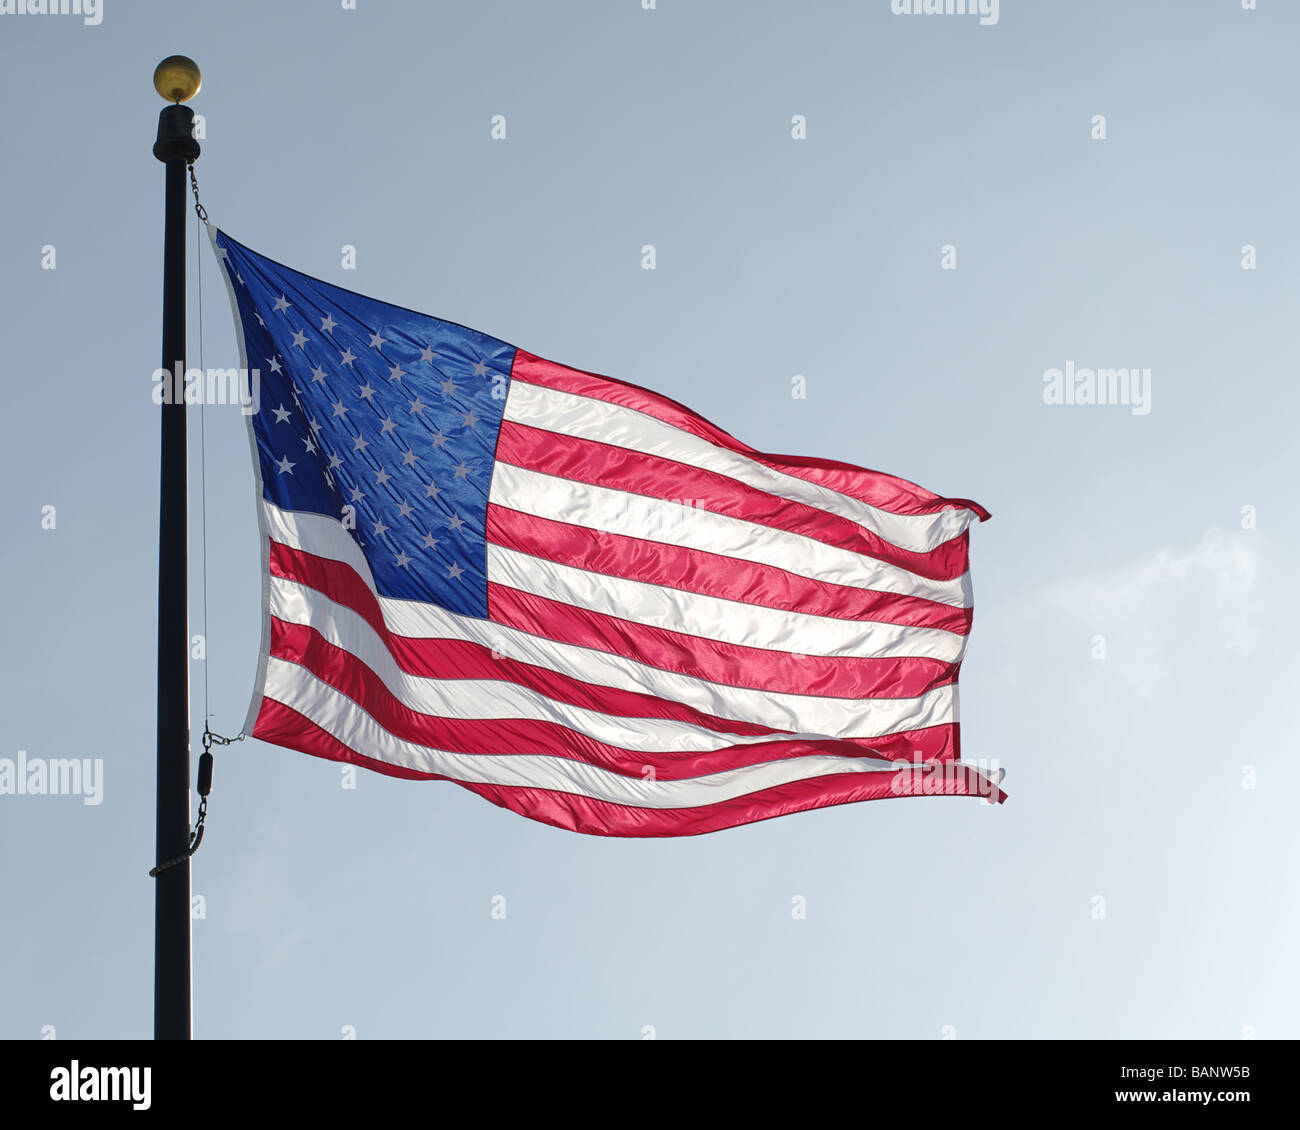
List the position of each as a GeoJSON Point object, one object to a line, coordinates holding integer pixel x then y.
{"type": "Point", "coordinates": [199, 210]}
{"type": "Point", "coordinates": [210, 739]}
{"type": "Point", "coordinates": [196, 837]}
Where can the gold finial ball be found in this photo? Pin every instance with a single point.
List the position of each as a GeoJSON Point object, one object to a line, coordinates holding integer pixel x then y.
{"type": "Point", "coordinates": [177, 78]}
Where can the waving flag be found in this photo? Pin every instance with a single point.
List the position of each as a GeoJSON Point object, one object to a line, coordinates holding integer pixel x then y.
{"type": "Point", "coordinates": [575, 597]}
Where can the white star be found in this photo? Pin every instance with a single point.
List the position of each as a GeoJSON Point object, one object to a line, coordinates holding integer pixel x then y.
{"type": "Point", "coordinates": [439, 440]}
{"type": "Point", "coordinates": [340, 409]}
{"type": "Point", "coordinates": [357, 496]}
{"type": "Point", "coordinates": [275, 365]}
{"type": "Point", "coordinates": [317, 373]}
{"type": "Point", "coordinates": [281, 415]}
{"type": "Point", "coordinates": [381, 477]}
{"type": "Point", "coordinates": [314, 426]}
{"type": "Point", "coordinates": [335, 462]}
{"type": "Point", "coordinates": [285, 466]}
{"type": "Point", "coordinates": [259, 320]}
{"type": "Point", "coordinates": [431, 491]}
{"type": "Point", "coordinates": [307, 443]}
{"type": "Point", "coordinates": [360, 444]}
{"type": "Point", "coordinates": [455, 522]}
{"type": "Point", "coordinates": [300, 338]}
{"type": "Point", "coordinates": [389, 424]}
{"type": "Point", "coordinates": [417, 407]}
{"type": "Point", "coordinates": [380, 528]}
{"type": "Point", "coordinates": [281, 304]}
{"type": "Point", "coordinates": [454, 572]}
{"type": "Point", "coordinates": [461, 470]}
{"type": "Point", "coordinates": [405, 510]}
{"type": "Point", "coordinates": [395, 373]}
{"type": "Point", "coordinates": [470, 419]}
{"type": "Point", "coordinates": [348, 357]}
{"type": "Point", "coordinates": [403, 560]}
{"type": "Point", "coordinates": [430, 542]}
{"type": "Point", "coordinates": [449, 387]}
{"type": "Point", "coordinates": [328, 323]}
{"type": "Point", "coordinates": [376, 340]}
{"type": "Point", "coordinates": [427, 354]}
{"type": "Point", "coordinates": [240, 279]}
{"type": "Point", "coordinates": [366, 391]}
{"type": "Point", "coordinates": [409, 459]}
{"type": "Point", "coordinates": [480, 370]}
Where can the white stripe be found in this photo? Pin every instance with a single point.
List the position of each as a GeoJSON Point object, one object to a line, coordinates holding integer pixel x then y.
{"type": "Point", "coordinates": [316, 534]}
{"type": "Point", "coordinates": [588, 418]}
{"type": "Point", "coordinates": [488, 698]}
{"type": "Point", "coordinates": [339, 716]}
{"type": "Point", "coordinates": [654, 519]}
{"type": "Point", "coordinates": [712, 618]}
{"type": "Point", "coordinates": [800, 714]}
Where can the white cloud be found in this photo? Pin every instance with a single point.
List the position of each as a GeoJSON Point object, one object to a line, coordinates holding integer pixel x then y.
{"type": "Point", "coordinates": [1175, 611]}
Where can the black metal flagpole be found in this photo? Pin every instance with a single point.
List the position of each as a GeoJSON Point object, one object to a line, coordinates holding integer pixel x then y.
{"type": "Point", "coordinates": [177, 79]}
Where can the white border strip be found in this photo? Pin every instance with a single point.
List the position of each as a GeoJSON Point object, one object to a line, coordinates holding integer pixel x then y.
{"type": "Point", "coordinates": [264, 648]}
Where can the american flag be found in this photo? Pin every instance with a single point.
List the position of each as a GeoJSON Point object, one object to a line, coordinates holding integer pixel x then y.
{"type": "Point", "coordinates": [576, 597]}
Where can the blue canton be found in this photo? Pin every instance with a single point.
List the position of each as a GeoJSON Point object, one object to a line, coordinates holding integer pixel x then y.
{"type": "Point", "coordinates": [377, 416]}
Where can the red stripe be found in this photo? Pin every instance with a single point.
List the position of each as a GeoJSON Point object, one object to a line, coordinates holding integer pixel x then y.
{"type": "Point", "coordinates": [462, 659]}
{"type": "Point", "coordinates": [735, 665]}
{"type": "Point", "coordinates": [342, 670]}
{"type": "Point", "coordinates": [873, 487]}
{"type": "Point", "coordinates": [710, 574]}
{"type": "Point", "coordinates": [605, 465]}
{"type": "Point", "coordinates": [282, 725]}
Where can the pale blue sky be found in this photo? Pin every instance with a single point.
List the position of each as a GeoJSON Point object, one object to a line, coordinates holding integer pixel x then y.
{"type": "Point", "coordinates": [371, 908]}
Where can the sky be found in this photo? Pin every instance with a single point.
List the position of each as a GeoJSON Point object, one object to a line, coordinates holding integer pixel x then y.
{"type": "Point", "coordinates": [972, 205]}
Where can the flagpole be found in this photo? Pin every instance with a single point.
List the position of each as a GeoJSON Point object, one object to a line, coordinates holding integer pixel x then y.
{"type": "Point", "coordinates": [177, 79]}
